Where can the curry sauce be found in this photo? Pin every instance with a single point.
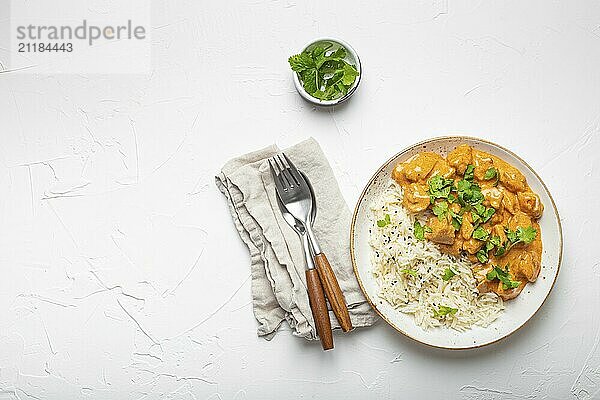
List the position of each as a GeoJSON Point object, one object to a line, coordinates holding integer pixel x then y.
{"type": "Point", "coordinates": [479, 206]}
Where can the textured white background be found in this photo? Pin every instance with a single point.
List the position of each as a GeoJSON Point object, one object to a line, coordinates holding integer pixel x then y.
{"type": "Point", "coordinates": [122, 276]}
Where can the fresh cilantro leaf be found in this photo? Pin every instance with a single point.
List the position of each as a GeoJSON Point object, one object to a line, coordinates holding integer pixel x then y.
{"type": "Point", "coordinates": [490, 173]}
{"type": "Point", "coordinates": [419, 230]}
{"type": "Point", "coordinates": [301, 62]}
{"type": "Point", "coordinates": [385, 221]}
{"type": "Point", "coordinates": [468, 176]}
{"type": "Point", "coordinates": [511, 236]}
{"type": "Point", "coordinates": [482, 256]}
{"type": "Point", "coordinates": [521, 235]}
{"type": "Point", "coordinates": [468, 193]}
{"type": "Point", "coordinates": [495, 240]}
{"type": "Point", "coordinates": [310, 81]}
{"type": "Point", "coordinates": [439, 187]}
{"type": "Point", "coordinates": [526, 235]}
{"type": "Point", "coordinates": [350, 74]}
{"type": "Point", "coordinates": [443, 311]}
{"type": "Point", "coordinates": [500, 250]}
{"type": "Point", "coordinates": [456, 224]}
{"type": "Point", "coordinates": [448, 274]}
{"type": "Point", "coordinates": [451, 198]}
{"type": "Point", "coordinates": [480, 233]}
{"type": "Point", "coordinates": [503, 276]}
{"type": "Point", "coordinates": [440, 209]}
{"type": "Point", "coordinates": [411, 272]}
{"type": "Point", "coordinates": [487, 214]}
{"type": "Point", "coordinates": [480, 209]}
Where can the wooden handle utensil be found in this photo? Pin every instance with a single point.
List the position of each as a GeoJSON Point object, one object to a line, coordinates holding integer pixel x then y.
{"type": "Point", "coordinates": [333, 292]}
{"type": "Point", "coordinates": [318, 307]}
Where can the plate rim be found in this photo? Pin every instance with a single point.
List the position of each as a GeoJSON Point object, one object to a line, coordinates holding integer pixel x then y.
{"type": "Point", "coordinates": [361, 198]}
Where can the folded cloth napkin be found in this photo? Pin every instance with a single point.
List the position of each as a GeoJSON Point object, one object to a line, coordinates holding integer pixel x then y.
{"type": "Point", "coordinates": [276, 255]}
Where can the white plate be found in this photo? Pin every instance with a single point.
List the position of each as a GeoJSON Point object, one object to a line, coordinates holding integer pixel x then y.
{"type": "Point", "coordinates": [518, 311]}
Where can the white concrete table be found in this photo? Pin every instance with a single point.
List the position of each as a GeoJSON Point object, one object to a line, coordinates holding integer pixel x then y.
{"type": "Point", "coordinates": [122, 276]}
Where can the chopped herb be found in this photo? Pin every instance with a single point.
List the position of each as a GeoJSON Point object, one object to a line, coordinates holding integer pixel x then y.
{"type": "Point", "coordinates": [521, 235]}
{"type": "Point", "coordinates": [482, 256]}
{"type": "Point", "coordinates": [468, 176]}
{"type": "Point", "coordinates": [468, 193]}
{"type": "Point", "coordinates": [385, 221]}
{"type": "Point", "coordinates": [490, 173]}
{"type": "Point", "coordinates": [504, 276]}
{"type": "Point", "coordinates": [488, 213]}
{"type": "Point", "coordinates": [442, 311]}
{"type": "Point", "coordinates": [480, 233]}
{"type": "Point", "coordinates": [411, 272]}
{"type": "Point", "coordinates": [495, 240]}
{"type": "Point", "coordinates": [456, 222]}
{"type": "Point", "coordinates": [526, 235]}
{"type": "Point", "coordinates": [420, 230]}
{"type": "Point", "coordinates": [500, 250]}
{"type": "Point", "coordinates": [448, 274]}
{"type": "Point", "coordinates": [440, 209]}
{"type": "Point", "coordinates": [439, 187]}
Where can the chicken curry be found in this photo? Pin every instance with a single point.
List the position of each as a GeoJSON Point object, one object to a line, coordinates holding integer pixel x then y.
{"type": "Point", "coordinates": [480, 206]}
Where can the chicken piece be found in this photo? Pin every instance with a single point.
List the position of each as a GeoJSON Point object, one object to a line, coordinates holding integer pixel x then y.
{"type": "Point", "coordinates": [442, 232]}
{"type": "Point", "coordinates": [512, 179]}
{"type": "Point", "coordinates": [455, 208]}
{"type": "Point", "coordinates": [454, 249]}
{"type": "Point", "coordinates": [519, 219]}
{"type": "Point", "coordinates": [472, 246]}
{"type": "Point", "coordinates": [498, 230]}
{"type": "Point", "coordinates": [442, 168]}
{"type": "Point", "coordinates": [460, 157]}
{"type": "Point", "coordinates": [482, 162]}
{"type": "Point", "coordinates": [415, 168]}
{"type": "Point", "coordinates": [416, 198]}
{"type": "Point", "coordinates": [525, 266]}
{"type": "Point", "coordinates": [467, 228]}
{"type": "Point", "coordinates": [479, 273]}
{"type": "Point", "coordinates": [530, 203]}
{"type": "Point", "coordinates": [509, 202]}
{"type": "Point", "coordinates": [492, 197]}
{"type": "Point", "coordinates": [507, 294]}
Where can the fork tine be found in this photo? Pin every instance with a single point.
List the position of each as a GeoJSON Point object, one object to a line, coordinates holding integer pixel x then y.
{"type": "Point", "coordinates": [285, 171]}
{"type": "Point", "coordinates": [294, 171]}
{"type": "Point", "coordinates": [276, 178]}
{"type": "Point", "coordinates": [286, 180]}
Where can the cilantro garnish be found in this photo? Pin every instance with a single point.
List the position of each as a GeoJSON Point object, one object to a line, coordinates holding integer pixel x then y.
{"type": "Point", "coordinates": [385, 221]}
{"type": "Point", "coordinates": [520, 235]}
{"type": "Point", "coordinates": [324, 74]}
{"type": "Point", "coordinates": [448, 274]}
{"type": "Point", "coordinates": [442, 311]}
{"type": "Point", "coordinates": [504, 276]}
{"type": "Point", "coordinates": [439, 187]}
{"type": "Point", "coordinates": [468, 193]}
{"type": "Point", "coordinates": [420, 230]}
{"type": "Point", "coordinates": [490, 173]}
{"type": "Point", "coordinates": [468, 175]}
{"type": "Point", "coordinates": [411, 272]}
{"type": "Point", "coordinates": [440, 209]}
{"type": "Point", "coordinates": [482, 256]}
{"type": "Point", "coordinates": [480, 233]}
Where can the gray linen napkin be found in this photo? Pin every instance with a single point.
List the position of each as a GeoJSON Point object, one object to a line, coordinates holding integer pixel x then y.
{"type": "Point", "coordinates": [276, 256]}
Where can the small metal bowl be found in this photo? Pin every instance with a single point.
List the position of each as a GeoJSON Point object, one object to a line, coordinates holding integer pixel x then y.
{"type": "Point", "coordinates": [351, 57]}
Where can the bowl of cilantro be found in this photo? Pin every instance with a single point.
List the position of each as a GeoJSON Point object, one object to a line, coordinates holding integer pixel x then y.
{"type": "Point", "coordinates": [326, 72]}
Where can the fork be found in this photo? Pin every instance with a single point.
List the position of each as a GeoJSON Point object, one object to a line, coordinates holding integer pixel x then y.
{"type": "Point", "coordinates": [294, 192]}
